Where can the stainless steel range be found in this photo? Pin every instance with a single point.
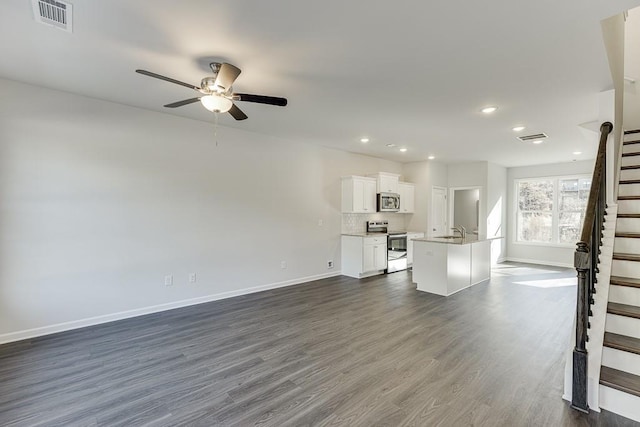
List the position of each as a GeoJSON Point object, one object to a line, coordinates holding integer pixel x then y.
{"type": "Point", "coordinates": [396, 245]}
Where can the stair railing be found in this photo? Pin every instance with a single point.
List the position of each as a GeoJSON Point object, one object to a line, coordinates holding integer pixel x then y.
{"type": "Point", "coordinates": [586, 263]}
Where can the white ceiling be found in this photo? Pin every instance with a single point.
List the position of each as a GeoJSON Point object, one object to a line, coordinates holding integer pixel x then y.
{"type": "Point", "coordinates": [404, 72]}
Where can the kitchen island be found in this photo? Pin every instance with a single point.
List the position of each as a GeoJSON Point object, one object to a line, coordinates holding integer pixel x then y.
{"type": "Point", "coordinates": [446, 265]}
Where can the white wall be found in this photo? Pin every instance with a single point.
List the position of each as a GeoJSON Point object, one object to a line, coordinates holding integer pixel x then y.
{"type": "Point", "coordinates": [99, 201]}
{"type": "Point", "coordinates": [490, 177]}
{"type": "Point", "coordinates": [632, 70]}
{"type": "Point", "coordinates": [497, 219]}
{"type": "Point", "coordinates": [541, 254]}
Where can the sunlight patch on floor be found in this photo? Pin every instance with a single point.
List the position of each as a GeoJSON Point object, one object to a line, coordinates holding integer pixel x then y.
{"type": "Point", "coordinates": [520, 271]}
{"type": "Point", "coordinates": [550, 283]}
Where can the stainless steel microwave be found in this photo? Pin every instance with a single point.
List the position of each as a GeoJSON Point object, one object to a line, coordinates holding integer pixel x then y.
{"type": "Point", "coordinates": [388, 202]}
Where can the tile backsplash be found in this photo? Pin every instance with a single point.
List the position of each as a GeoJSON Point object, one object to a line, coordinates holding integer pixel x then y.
{"type": "Point", "coordinates": [357, 223]}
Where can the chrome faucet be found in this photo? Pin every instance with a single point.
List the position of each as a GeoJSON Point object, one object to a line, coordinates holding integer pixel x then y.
{"type": "Point", "coordinates": [460, 229]}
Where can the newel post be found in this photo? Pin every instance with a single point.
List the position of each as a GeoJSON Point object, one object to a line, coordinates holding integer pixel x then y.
{"type": "Point", "coordinates": [582, 262]}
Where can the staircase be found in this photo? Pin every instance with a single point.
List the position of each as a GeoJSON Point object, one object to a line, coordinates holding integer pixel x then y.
{"type": "Point", "coordinates": [620, 372]}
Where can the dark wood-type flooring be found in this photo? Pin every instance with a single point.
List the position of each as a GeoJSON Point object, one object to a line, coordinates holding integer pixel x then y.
{"type": "Point", "coordinates": [337, 352]}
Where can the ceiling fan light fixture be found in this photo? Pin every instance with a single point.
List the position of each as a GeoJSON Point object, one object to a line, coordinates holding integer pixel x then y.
{"type": "Point", "coordinates": [216, 104]}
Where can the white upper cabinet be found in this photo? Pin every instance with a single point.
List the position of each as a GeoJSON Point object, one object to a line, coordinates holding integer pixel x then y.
{"type": "Point", "coordinates": [386, 182]}
{"type": "Point", "coordinates": [358, 194]}
{"type": "Point", "coordinates": [407, 197]}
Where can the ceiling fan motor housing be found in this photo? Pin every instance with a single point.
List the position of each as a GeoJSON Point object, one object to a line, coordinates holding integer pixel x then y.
{"type": "Point", "coordinates": [218, 93]}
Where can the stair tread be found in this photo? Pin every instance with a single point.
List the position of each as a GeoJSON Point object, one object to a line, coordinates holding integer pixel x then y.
{"type": "Point", "coordinates": [637, 141]}
{"type": "Point", "coordinates": [626, 257]}
{"type": "Point", "coordinates": [627, 234]}
{"type": "Point", "coordinates": [630, 181]}
{"type": "Point", "coordinates": [623, 310]}
{"type": "Point", "coordinates": [627, 132]}
{"type": "Point", "coordinates": [635, 153]}
{"type": "Point", "coordinates": [622, 342]}
{"type": "Point", "coordinates": [628, 215]}
{"type": "Point", "coordinates": [628, 197]}
{"type": "Point", "coordinates": [628, 167]}
{"type": "Point", "coordinates": [620, 380]}
{"type": "Point", "coordinates": [625, 281]}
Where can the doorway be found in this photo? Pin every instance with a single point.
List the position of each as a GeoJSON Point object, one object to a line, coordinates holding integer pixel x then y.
{"type": "Point", "coordinates": [464, 208]}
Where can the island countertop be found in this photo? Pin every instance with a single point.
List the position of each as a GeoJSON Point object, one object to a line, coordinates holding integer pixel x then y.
{"type": "Point", "coordinates": [457, 240]}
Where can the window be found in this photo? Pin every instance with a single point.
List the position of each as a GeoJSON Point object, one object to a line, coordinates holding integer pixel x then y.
{"type": "Point", "coordinates": [551, 210]}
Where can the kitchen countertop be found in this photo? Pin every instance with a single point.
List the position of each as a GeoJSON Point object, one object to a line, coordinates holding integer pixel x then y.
{"type": "Point", "coordinates": [457, 240]}
{"type": "Point", "coordinates": [365, 234]}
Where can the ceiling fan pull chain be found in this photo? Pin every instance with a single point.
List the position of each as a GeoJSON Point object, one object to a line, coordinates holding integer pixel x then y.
{"type": "Point", "coordinates": [215, 128]}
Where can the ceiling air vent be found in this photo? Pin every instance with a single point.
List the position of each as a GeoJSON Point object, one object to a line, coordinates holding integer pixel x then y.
{"type": "Point", "coordinates": [53, 12]}
{"type": "Point", "coordinates": [535, 137]}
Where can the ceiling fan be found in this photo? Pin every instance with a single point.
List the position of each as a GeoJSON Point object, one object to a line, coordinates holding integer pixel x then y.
{"type": "Point", "coordinates": [217, 93]}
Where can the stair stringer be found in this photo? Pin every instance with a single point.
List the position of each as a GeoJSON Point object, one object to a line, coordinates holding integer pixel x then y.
{"type": "Point", "coordinates": [597, 321]}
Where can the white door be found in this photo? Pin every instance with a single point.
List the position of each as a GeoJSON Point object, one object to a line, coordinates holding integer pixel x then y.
{"type": "Point", "coordinates": [438, 211]}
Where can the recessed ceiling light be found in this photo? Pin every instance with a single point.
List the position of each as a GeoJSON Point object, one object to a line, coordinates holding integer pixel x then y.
{"type": "Point", "coordinates": [364, 140]}
{"type": "Point", "coordinates": [537, 141]}
{"type": "Point", "coordinates": [403, 149]}
{"type": "Point", "coordinates": [577, 152]}
{"type": "Point", "coordinates": [431, 157]}
{"type": "Point", "coordinates": [391, 145]}
{"type": "Point", "coordinates": [518, 129]}
{"type": "Point", "coordinates": [489, 110]}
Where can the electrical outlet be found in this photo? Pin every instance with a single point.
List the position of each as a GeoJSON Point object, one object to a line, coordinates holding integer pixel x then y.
{"type": "Point", "coordinates": [330, 264]}
{"type": "Point", "coordinates": [168, 280]}
{"type": "Point", "coordinates": [283, 264]}
{"type": "Point", "coordinates": [192, 278]}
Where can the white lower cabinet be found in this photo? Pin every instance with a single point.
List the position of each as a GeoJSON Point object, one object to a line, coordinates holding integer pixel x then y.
{"type": "Point", "coordinates": [374, 256]}
{"type": "Point", "coordinates": [363, 256]}
{"type": "Point", "coordinates": [410, 246]}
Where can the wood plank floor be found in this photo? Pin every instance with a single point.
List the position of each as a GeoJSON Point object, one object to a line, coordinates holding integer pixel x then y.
{"type": "Point", "coordinates": [333, 352]}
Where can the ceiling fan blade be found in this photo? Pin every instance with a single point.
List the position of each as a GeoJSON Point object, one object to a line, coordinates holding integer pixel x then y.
{"type": "Point", "coordinates": [237, 113]}
{"type": "Point", "coordinates": [227, 74]}
{"type": "Point", "coordinates": [261, 99]}
{"type": "Point", "coordinates": [183, 102]}
{"type": "Point", "coordinates": [168, 79]}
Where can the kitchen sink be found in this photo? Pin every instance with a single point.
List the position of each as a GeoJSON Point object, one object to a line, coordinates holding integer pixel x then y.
{"type": "Point", "coordinates": [446, 237]}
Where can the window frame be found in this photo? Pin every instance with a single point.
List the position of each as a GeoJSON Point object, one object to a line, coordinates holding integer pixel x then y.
{"type": "Point", "coordinates": [555, 211]}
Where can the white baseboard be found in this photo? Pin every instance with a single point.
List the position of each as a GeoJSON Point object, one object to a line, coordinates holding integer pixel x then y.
{"type": "Point", "coordinates": [620, 403]}
{"type": "Point", "coordinates": [539, 262]}
{"type": "Point", "coordinates": [91, 321]}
